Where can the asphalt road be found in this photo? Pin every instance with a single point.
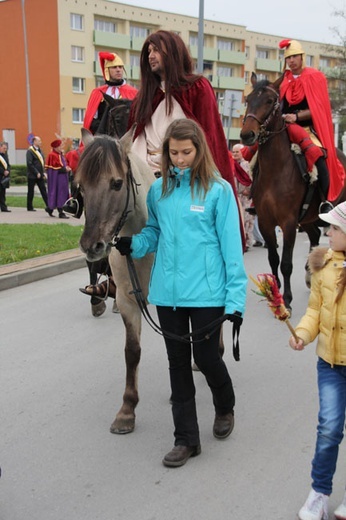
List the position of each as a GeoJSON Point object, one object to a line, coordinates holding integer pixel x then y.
{"type": "Point", "coordinates": [62, 379]}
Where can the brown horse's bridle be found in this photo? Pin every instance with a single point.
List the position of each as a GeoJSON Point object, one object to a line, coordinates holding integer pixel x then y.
{"type": "Point", "coordinates": [264, 134]}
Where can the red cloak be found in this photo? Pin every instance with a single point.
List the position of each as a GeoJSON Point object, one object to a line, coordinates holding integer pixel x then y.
{"type": "Point", "coordinates": [198, 102]}
{"type": "Point", "coordinates": [96, 96]}
{"type": "Point", "coordinates": [312, 85]}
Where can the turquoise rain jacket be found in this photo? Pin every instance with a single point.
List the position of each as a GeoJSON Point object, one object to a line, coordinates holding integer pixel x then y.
{"type": "Point", "coordinates": [199, 260]}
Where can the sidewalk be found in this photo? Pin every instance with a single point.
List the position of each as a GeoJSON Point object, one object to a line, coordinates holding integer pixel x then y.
{"type": "Point", "coordinates": [20, 273]}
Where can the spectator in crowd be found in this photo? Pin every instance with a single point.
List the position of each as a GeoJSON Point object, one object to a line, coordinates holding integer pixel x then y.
{"type": "Point", "coordinates": [5, 169]}
{"type": "Point", "coordinates": [36, 174]}
{"type": "Point", "coordinates": [57, 174]}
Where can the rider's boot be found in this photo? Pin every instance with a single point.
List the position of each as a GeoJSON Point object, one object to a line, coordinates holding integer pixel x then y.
{"type": "Point", "coordinates": [323, 181]}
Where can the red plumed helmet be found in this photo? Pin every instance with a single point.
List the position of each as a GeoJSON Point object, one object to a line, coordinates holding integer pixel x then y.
{"type": "Point", "coordinates": [284, 43]}
{"type": "Point", "coordinates": [109, 59]}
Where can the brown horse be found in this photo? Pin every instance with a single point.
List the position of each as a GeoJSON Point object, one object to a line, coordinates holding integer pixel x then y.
{"type": "Point", "coordinates": [114, 184]}
{"type": "Point", "coordinates": [279, 190]}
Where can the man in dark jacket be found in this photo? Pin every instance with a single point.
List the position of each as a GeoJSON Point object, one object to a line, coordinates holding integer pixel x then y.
{"type": "Point", "coordinates": [36, 174]}
{"type": "Point", "coordinates": [5, 169]}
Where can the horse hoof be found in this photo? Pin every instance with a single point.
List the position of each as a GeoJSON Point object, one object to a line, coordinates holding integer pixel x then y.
{"type": "Point", "coordinates": [123, 426]}
{"type": "Point", "coordinates": [98, 309]}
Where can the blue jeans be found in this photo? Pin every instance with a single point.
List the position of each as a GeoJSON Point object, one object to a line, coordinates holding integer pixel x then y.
{"type": "Point", "coordinates": [331, 422]}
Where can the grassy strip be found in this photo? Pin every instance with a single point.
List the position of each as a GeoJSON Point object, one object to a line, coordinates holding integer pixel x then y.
{"type": "Point", "coordinates": [19, 201]}
{"type": "Point", "coordinates": [20, 242]}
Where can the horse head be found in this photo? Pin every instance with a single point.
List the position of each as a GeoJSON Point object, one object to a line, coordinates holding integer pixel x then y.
{"type": "Point", "coordinates": [106, 177]}
{"type": "Point", "coordinates": [262, 111]}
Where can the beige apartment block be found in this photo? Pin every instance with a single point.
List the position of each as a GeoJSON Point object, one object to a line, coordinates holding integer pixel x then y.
{"type": "Point", "coordinates": [67, 36]}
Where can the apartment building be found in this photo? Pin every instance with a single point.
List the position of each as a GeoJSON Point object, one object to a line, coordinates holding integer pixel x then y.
{"type": "Point", "coordinates": [51, 60]}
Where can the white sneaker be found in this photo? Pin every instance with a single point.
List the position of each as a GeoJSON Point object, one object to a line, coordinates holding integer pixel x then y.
{"type": "Point", "coordinates": [340, 512]}
{"type": "Point", "coordinates": [315, 507]}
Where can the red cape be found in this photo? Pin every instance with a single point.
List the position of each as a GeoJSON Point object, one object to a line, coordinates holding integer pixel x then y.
{"type": "Point", "coordinates": [198, 102]}
{"type": "Point", "coordinates": [312, 85]}
{"type": "Point", "coordinates": [55, 161]}
{"type": "Point", "coordinates": [96, 96]}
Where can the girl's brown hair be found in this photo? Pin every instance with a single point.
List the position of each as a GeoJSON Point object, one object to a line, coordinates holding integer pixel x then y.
{"type": "Point", "coordinates": [203, 171]}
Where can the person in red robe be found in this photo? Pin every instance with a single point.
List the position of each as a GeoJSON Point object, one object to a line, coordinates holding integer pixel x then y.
{"type": "Point", "coordinates": [57, 179]}
{"type": "Point", "coordinates": [169, 90]}
{"type": "Point", "coordinates": [307, 110]}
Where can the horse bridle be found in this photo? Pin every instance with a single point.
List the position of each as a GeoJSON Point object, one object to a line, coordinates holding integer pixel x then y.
{"type": "Point", "coordinates": [264, 134]}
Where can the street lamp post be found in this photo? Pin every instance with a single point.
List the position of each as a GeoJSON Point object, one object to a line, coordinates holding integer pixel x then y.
{"type": "Point", "coordinates": [200, 37]}
{"type": "Point", "coordinates": [28, 96]}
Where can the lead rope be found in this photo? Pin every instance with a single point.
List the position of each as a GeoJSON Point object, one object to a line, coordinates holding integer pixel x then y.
{"type": "Point", "coordinates": [207, 331]}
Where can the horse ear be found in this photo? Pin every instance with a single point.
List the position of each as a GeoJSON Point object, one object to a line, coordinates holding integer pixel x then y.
{"type": "Point", "coordinates": [127, 140]}
{"type": "Point", "coordinates": [87, 137]}
{"type": "Point", "coordinates": [253, 79]}
{"type": "Point", "coordinates": [109, 100]}
{"type": "Point", "coordinates": [278, 82]}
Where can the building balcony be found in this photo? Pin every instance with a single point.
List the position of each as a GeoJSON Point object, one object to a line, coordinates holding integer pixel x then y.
{"type": "Point", "coordinates": [236, 58]}
{"type": "Point", "coordinates": [113, 40]}
{"type": "Point", "coordinates": [229, 83]}
{"type": "Point", "coordinates": [209, 54]}
{"type": "Point", "coordinates": [268, 65]}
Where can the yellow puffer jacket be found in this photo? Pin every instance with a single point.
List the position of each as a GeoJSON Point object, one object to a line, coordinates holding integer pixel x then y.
{"type": "Point", "coordinates": [323, 316]}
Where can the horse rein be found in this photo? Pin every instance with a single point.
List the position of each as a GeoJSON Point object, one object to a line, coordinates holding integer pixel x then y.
{"type": "Point", "coordinates": [207, 331]}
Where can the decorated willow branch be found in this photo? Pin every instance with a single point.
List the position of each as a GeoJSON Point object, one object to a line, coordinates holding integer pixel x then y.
{"type": "Point", "coordinates": [268, 288]}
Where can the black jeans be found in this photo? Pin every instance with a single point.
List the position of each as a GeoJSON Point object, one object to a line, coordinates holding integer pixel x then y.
{"type": "Point", "coordinates": [31, 186]}
{"type": "Point", "coordinates": [206, 356]}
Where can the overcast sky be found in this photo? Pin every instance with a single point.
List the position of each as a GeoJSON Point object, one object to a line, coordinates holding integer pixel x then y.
{"type": "Point", "coordinates": [310, 20]}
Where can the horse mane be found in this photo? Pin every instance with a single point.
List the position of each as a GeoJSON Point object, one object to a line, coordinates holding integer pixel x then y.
{"type": "Point", "coordinates": [100, 157]}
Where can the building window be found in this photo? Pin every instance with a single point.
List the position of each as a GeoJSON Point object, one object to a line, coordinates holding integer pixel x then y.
{"type": "Point", "coordinates": [226, 72]}
{"type": "Point", "coordinates": [135, 60]}
{"type": "Point", "coordinates": [78, 115]}
{"type": "Point", "coordinates": [262, 77]}
{"type": "Point", "coordinates": [246, 77]}
{"type": "Point", "coordinates": [225, 45]}
{"type": "Point", "coordinates": [99, 81]}
{"type": "Point", "coordinates": [324, 63]}
{"type": "Point", "coordinates": [309, 61]}
{"type": "Point", "coordinates": [136, 31]}
{"type": "Point", "coordinates": [193, 40]}
{"type": "Point", "coordinates": [247, 53]}
{"type": "Point", "coordinates": [77, 53]}
{"type": "Point", "coordinates": [78, 85]}
{"type": "Point", "coordinates": [105, 26]}
{"type": "Point", "coordinates": [77, 22]}
{"type": "Point", "coordinates": [262, 54]}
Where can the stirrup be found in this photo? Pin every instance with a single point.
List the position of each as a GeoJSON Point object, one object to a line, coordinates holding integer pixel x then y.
{"type": "Point", "coordinates": [73, 208]}
{"type": "Point", "coordinates": [101, 298]}
{"type": "Point", "coordinates": [325, 207]}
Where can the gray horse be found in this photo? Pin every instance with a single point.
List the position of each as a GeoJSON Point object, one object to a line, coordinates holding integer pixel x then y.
{"type": "Point", "coordinates": [114, 183]}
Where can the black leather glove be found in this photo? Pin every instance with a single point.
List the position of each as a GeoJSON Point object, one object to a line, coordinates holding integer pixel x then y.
{"type": "Point", "coordinates": [235, 318]}
{"type": "Point", "coordinates": [123, 245]}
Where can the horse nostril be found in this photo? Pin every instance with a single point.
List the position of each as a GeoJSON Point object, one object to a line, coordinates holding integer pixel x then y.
{"type": "Point", "coordinates": [99, 247]}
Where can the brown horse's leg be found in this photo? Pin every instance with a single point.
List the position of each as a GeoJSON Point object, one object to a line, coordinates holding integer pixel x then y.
{"type": "Point", "coordinates": [125, 418]}
{"type": "Point", "coordinates": [289, 237]}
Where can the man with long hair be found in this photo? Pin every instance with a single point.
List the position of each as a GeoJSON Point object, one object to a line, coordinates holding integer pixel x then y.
{"type": "Point", "coordinates": [170, 90]}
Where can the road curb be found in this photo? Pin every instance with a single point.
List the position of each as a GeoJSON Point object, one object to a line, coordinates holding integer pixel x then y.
{"type": "Point", "coordinates": [34, 273]}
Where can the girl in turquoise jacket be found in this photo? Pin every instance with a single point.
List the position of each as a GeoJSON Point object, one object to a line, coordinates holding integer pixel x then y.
{"type": "Point", "coordinates": [198, 275]}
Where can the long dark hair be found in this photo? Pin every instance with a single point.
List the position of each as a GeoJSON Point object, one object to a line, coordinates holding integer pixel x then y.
{"type": "Point", "coordinates": [177, 64]}
{"type": "Point", "coordinates": [203, 171]}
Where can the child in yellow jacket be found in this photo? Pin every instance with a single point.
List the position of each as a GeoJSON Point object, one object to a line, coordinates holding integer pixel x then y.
{"type": "Point", "coordinates": [325, 317]}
